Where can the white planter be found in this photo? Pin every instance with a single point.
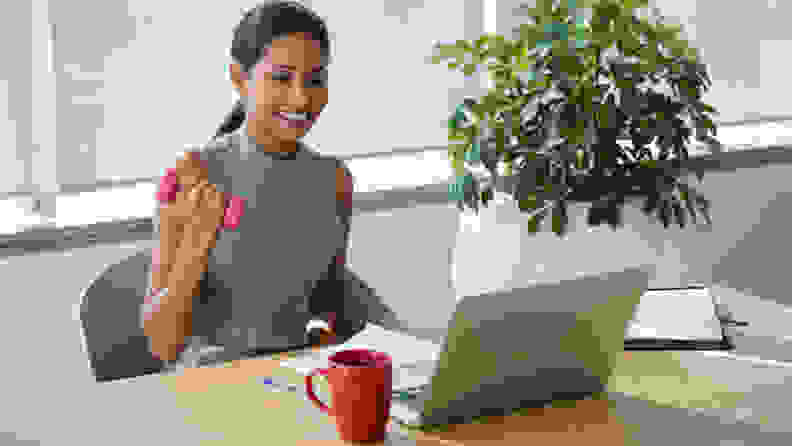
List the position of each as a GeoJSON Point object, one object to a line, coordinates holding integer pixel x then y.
{"type": "Point", "coordinates": [494, 250]}
{"type": "Point", "coordinates": [498, 264]}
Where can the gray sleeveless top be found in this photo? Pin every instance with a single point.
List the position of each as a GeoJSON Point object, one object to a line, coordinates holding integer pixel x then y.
{"type": "Point", "coordinates": [255, 293]}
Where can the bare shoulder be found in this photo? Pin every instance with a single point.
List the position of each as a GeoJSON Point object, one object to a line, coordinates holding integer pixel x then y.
{"type": "Point", "coordinates": [344, 176]}
{"type": "Point", "coordinates": [193, 153]}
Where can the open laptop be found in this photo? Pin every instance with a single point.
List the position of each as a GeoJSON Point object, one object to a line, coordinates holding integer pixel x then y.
{"type": "Point", "coordinates": [507, 350]}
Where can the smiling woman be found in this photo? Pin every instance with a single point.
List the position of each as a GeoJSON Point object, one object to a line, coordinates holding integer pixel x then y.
{"type": "Point", "coordinates": [213, 263]}
{"type": "Point", "coordinates": [281, 77]}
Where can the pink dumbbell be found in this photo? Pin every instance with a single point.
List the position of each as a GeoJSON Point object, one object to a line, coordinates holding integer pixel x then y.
{"type": "Point", "coordinates": [169, 187]}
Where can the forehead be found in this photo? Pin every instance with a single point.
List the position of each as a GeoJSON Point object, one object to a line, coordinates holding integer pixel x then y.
{"type": "Point", "coordinates": [296, 50]}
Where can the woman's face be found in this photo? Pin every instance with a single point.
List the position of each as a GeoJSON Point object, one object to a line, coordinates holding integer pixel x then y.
{"type": "Point", "coordinates": [290, 78]}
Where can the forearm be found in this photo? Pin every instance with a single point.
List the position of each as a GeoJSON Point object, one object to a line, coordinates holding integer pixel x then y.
{"type": "Point", "coordinates": [164, 255]}
{"type": "Point", "coordinates": [168, 322]}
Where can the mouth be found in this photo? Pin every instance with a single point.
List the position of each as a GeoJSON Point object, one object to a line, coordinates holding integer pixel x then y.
{"type": "Point", "coordinates": [302, 120]}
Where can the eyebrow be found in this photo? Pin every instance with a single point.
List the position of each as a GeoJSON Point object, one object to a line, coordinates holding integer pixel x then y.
{"type": "Point", "coordinates": [293, 68]}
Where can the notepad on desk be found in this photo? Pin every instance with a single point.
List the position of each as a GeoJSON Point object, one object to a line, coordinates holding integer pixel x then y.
{"type": "Point", "coordinates": [413, 358]}
{"type": "Point", "coordinates": [686, 317]}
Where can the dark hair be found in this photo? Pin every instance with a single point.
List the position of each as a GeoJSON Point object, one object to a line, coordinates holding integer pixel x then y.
{"type": "Point", "coordinates": [259, 27]}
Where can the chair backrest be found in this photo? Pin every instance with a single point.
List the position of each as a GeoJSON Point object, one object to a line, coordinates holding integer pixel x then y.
{"type": "Point", "coordinates": [117, 347]}
{"type": "Point", "coordinates": [110, 317]}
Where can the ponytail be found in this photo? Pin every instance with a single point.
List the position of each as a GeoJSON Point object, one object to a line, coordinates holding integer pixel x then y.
{"type": "Point", "coordinates": [233, 120]}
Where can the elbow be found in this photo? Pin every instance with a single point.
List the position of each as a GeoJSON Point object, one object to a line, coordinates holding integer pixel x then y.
{"type": "Point", "coordinates": [164, 350]}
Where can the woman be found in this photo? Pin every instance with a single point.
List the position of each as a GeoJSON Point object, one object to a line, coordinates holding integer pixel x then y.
{"type": "Point", "coordinates": [280, 55]}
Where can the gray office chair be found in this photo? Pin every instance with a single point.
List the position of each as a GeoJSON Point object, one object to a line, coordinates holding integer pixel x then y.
{"type": "Point", "coordinates": [110, 317]}
{"type": "Point", "coordinates": [118, 349]}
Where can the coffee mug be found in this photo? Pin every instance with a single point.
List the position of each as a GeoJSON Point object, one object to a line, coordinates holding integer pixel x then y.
{"type": "Point", "coordinates": [360, 391]}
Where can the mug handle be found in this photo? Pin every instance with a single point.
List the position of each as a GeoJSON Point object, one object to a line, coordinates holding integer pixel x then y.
{"type": "Point", "coordinates": [310, 392]}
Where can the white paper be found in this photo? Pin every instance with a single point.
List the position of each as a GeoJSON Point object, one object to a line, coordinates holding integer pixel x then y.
{"type": "Point", "coordinates": [683, 314]}
{"type": "Point", "coordinates": [413, 358]}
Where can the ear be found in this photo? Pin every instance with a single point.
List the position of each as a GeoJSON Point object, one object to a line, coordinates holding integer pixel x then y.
{"type": "Point", "coordinates": [239, 78]}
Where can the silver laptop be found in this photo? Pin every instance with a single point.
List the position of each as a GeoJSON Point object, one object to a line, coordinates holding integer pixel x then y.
{"type": "Point", "coordinates": [521, 348]}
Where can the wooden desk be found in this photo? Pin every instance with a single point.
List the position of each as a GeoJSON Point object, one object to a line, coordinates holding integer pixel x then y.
{"type": "Point", "coordinates": [231, 401]}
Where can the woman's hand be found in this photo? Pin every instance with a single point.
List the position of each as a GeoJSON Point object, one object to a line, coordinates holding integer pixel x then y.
{"type": "Point", "coordinates": [187, 216]}
{"type": "Point", "coordinates": [202, 209]}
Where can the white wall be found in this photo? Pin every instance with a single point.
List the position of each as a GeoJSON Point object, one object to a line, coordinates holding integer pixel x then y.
{"type": "Point", "coordinates": [744, 44]}
{"type": "Point", "coordinates": [140, 79]}
{"type": "Point", "coordinates": [15, 112]}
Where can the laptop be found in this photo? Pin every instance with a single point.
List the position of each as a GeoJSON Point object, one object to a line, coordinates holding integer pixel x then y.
{"type": "Point", "coordinates": [506, 350]}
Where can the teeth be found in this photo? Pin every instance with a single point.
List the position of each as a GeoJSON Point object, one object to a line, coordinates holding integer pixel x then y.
{"type": "Point", "coordinates": [295, 116]}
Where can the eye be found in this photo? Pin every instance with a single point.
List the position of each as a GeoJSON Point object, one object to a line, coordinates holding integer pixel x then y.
{"type": "Point", "coordinates": [283, 76]}
{"type": "Point", "coordinates": [319, 80]}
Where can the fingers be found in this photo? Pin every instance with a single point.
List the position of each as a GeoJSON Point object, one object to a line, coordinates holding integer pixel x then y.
{"type": "Point", "coordinates": [205, 195]}
{"type": "Point", "coordinates": [214, 199]}
{"type": "Point", "coordinates": [196, 193]}
{"type": "Point", "coordinates": [190, 170]}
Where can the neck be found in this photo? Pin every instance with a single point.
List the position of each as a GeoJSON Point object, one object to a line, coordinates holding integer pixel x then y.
{"type": "Point", "coordinates": [256, 141]}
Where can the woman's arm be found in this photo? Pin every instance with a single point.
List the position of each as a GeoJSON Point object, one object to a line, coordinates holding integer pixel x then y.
{"type": "Point", "coordinates": [345, 188]}
{"type": "Point", "coordinates": [187, 228]}
{"type": "Point", "coordinates": [327, 297]}
{"type": "Point", "coordinates": [167, 318]}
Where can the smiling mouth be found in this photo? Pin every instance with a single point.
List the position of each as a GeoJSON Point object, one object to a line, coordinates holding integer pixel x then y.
{"type": "Point", "coordinates": [297, 117]}
{"type": "Point", "coordinates": [301, 121]}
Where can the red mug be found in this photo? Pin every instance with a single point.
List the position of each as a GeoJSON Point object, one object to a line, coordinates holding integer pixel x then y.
{"type": "Point", "coordinates": [360, 391]}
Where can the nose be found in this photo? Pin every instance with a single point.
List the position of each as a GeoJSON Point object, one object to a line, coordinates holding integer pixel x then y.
{"type": "Point", "coordinates": [298, 97]}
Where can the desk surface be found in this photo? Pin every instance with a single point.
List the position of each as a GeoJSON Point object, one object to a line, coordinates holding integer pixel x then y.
{"type": "Point", "coordinates": [228, 405]}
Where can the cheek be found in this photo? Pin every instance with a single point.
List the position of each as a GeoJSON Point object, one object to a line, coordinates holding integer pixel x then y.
{"type": "Point", "coordinates": [260, 98]}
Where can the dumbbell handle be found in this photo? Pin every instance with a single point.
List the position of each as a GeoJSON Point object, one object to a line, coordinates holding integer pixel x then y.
{"type": "Point", "coordinates": [169, 187]}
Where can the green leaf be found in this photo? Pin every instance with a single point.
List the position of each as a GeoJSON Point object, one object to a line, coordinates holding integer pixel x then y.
{"type": "Point", "coordinates": [527, 203]}
{"type": "Point", "coordinates": [486, 196]}
{"type": "Point", "coordinates": [580, 159]}
{"type": "Point", "coordinates": [614, 216]}
{"type": "Point", "coordinates": [529, 36]}
{"type": "Point", "coordinates": [705, 108]}
{"type": "Point", "coordinates": [469, 69]}
{"type": "Point", "coordinates": [500, 138]}
{"type": "Point", "coordinates": [454, 135]}
{"type": "Point", "coordinates": [534, 223]}
{"type": "Point", "coordinates": [679, 213]}
{"type": "Point", "coordinates": [474, 154]}
{"type": "Point", "coordinates": [651, 204]}
{"type": "Point", "coordinates": [690, 207]}
{"type": "Point", "coordinates": [664, 213]}
{"type": "Point", "coordinates": [699, 171]}
{"type": "Point", "coordinates": [464, 45]}
{"type": "Point", "coordinates": [560, 219]}
{"type": "Point", "coordinates": [704, 207]}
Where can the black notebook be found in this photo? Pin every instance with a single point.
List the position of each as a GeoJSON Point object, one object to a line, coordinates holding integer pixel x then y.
{"type": "Point", "coordinates": [683, 318]}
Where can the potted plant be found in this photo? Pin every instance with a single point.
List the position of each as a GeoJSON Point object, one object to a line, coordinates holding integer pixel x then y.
{"type": "Point", "coordinates": [590, 124]}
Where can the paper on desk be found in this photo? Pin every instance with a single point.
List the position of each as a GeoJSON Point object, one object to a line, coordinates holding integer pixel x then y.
{"type": "Point", "coordinates": [684, 314]}
{"type": "Point", "coordinates": [403, 349]}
